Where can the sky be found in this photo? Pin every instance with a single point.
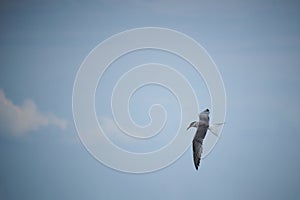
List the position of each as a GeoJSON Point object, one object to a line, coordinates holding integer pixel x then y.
{"type": "Point", "coordinates": [256, 47]}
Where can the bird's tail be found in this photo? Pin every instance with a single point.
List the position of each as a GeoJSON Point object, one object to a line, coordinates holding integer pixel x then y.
{"type": "Point", "coordinates": [214, 128]}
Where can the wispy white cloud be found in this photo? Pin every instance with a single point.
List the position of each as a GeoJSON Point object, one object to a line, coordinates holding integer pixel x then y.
{"type": "Point", "coordinates": [19, 120]}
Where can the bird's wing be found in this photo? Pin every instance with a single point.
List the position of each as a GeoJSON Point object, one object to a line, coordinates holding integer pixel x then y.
{"type": "Point", "coordinates": [197, 144]}
{"type": "Point", "coordinates": [214, 128]}
{"type": "Point", "coordinates": [197, 151]}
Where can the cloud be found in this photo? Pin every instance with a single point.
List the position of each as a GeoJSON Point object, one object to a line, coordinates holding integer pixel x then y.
{"type": "Point", "coordinates": [19, 120]}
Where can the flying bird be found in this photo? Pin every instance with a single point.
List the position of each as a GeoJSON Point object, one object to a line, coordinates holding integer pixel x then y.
{"type": "Point", "coordinates": [202, 126]}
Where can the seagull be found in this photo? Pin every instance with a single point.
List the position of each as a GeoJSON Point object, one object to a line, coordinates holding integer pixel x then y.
{"type": "Point", "coordinates": [202, 127]}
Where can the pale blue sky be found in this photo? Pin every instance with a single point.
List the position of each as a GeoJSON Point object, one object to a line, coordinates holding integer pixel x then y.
{"type": "Point", "coordinates": [256, 46]}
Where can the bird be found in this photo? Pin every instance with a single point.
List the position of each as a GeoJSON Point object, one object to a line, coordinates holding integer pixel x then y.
{"type": "Point", "coordinates": [202, 126]}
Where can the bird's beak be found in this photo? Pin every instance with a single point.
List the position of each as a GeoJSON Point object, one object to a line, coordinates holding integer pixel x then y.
{"type": "Point", "coordinates": [188, 127]}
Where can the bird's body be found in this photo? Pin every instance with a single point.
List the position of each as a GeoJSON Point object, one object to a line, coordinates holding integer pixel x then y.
{"type": "Point", "coordinates": [202, 127]}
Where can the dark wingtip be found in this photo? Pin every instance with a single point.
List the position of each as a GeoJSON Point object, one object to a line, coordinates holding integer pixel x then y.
{"type": "Point", "coordinates": [197, 166]}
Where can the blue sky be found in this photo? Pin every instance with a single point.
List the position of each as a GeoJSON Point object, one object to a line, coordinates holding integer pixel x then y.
{"type": "Point", "coordinates": [256, 46]}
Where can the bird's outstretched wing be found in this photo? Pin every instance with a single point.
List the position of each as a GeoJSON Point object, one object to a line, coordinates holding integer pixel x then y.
{"type": "Point", "coordinates": [203, 125]}
{"type": "Point", "coordinates": [197, 143]}
{"type": "Point", "coordinates": [197, 151]}
{"type": "Point", "coordinates": [213, 128]}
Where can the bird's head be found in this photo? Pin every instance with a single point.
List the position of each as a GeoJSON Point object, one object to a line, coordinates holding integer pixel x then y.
{"type": "Point", "coordinates": [193, 124]}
